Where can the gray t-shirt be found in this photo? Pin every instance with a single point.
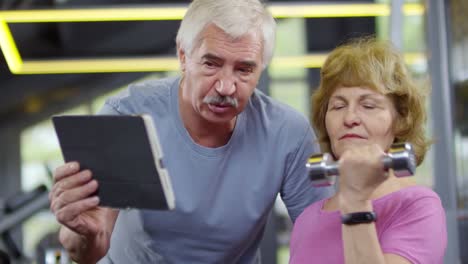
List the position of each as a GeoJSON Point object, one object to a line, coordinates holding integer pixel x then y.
{"type": "Point", "coordinates": [223, 195]}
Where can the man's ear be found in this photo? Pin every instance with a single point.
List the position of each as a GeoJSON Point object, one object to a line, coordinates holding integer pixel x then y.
{"type": "Point", "coordinates": [182, 58]}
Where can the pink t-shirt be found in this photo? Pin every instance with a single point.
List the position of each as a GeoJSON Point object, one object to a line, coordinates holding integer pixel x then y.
{"type": "Point", "coordinates": [410, 223]}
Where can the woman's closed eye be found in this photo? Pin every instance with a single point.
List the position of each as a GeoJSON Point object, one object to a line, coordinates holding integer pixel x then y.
{"type": "Point", "coordinates": [369, 106]}
{"type": "Point", "coordinates": [337, 106]}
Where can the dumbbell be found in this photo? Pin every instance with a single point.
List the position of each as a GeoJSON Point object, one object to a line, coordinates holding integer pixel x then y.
{"type": "Point", "coordinates": [322, 169]}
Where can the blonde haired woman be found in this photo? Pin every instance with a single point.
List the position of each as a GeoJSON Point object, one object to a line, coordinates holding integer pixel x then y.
{"type": "Point", "coordinates": [366, 102]}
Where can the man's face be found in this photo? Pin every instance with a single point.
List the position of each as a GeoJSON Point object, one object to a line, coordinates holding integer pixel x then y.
{"type": "Point", "coordinates": [220, 74]}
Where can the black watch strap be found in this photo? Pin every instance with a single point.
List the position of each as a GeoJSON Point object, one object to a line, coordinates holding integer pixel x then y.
{"type": "Point", "coordinates": [358, 218]}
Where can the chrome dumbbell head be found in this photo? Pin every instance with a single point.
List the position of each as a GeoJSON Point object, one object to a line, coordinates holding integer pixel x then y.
{"type": "Point", "coordinates": [322, 169]}
{"type": "Point", "coordinates": [401, 159]}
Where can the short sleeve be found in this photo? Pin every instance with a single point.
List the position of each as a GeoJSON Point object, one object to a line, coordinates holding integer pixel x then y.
{"type": "Point", "coordinates": [297, 191]}
{"type": "Point", "coordinates": [107, 109]}
{"type": "Point", "coordinates": [418, 233]}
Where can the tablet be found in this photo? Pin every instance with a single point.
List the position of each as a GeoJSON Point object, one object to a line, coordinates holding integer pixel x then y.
{"type": "Point", "coordinates": [124, 155]}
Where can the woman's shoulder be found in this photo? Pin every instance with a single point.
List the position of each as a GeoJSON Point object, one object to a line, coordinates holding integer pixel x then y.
{"type": "Point", "coordinates": [414, 193]}
{"type": "Point", "coordinates": [411, 199]}
{"type": "Point", "coordinates": [410, 193]}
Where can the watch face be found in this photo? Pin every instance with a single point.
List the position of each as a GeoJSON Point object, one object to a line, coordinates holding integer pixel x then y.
{"type": "Point", "coordinates": [358, 218]}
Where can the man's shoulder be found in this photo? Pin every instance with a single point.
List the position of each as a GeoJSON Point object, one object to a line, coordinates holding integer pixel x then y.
{"type": "Point", "coordinates": [149, 87]}
{"type": "Point", "coordinates": [130, 99]}
{"type": "Point", "coordinates": [276, 111]}
{"type": "Point", "coordinates": [152, 83]}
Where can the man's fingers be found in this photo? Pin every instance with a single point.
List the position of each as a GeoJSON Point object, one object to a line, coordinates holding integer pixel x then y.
{"type": "Point", "coordinates": [65, 170]}
{"type": "Point", "coordinates": [71, 215]}
{"type": "Point", "coordinates": [73, 195]}
{"type": "Point", "coordinates": [70, 182]}
{"type": "Point", "coordinates": [71, 211]}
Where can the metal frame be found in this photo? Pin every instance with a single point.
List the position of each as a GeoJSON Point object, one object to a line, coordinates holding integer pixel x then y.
{"type": "Point", "coordinates": [396, 23]}
{"type": "Point", "coordinates": [442, 98]}
{"type": "Point", "coordinates": [10, 170]}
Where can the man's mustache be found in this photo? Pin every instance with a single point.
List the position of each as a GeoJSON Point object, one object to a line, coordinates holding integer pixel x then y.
{"type": "Point", "coordinates": [221, 100]}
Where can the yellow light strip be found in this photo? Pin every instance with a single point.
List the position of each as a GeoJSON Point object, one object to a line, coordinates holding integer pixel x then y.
{"type": "Point", "coordinates": [100, 65]}
{"type": "Point", "coordinates": [317, 60]}
{"type": "Point", "coordinates": [306, 61]}
{"type": "Point", "coordinates": [9, 49]}
{"type": "Point", "coordinates": [176, 13]}
{"type": "Point", "coordinates": [89, 65]}
{"type": "Point", "coordinates": [94, 14]}
{"type": "Point", "coordinates": [340, 10]}
{"type": "Point", "coordinates": [164, 64]}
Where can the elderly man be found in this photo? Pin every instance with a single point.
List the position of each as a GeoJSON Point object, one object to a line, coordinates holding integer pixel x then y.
{"type": "Point", "coordinates": [229, 149]}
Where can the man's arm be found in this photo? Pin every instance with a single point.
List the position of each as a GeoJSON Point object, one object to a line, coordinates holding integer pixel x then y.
{"type": "Point", "coordinates": [88, 227]}
{"type": "Point", "coordinates": [297, 191]}
{"type": "Point", "coordinates": [91, 248]}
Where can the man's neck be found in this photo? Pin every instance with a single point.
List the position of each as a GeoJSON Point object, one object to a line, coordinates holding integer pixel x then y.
{"type": "Point", "coordinates": [208, 134]}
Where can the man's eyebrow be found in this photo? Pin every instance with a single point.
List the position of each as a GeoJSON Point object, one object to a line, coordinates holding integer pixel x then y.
{"type": "Point", "coordinates": [249, 63]}
{"type": "Point", "coordinates": [211, 56]}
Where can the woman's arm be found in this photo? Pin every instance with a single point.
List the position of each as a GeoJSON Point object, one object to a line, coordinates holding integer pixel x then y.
{"type": "Point", "coordinates": [360, 241]}
{"type": "Point", "coordinates": [361, 174]}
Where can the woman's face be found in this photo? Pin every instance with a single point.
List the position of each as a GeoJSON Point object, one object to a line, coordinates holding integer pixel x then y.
{"type": "Point", "coordinates": [357, 116]}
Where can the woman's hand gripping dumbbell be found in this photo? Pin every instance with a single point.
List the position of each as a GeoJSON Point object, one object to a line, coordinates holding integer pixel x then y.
{"type": "Point", "coordinates": [322, 169]}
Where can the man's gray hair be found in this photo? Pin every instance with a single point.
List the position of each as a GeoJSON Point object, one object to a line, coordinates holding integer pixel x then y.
{"type": "Point", "coordinates": [235, 17]}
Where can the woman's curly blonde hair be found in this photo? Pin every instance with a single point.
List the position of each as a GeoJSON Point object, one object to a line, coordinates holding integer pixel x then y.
{"type": "Point", "coordinates": [375, 64]}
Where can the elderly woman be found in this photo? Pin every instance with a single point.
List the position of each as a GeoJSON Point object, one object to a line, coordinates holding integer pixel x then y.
{"type": "Point", "coordinates": [366, 102]}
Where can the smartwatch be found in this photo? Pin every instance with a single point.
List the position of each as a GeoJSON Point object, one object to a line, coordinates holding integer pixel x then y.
{"type": "Point", "coordinates": [358, 218]}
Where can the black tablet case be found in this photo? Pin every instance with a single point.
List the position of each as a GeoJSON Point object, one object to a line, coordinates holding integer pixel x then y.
{"type": "Point", "coordinates": [123, 159]}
